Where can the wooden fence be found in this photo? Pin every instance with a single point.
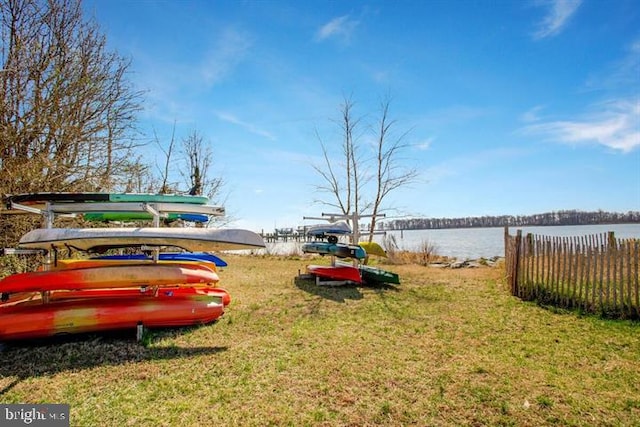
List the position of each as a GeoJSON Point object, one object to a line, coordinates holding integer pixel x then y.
{"type": "Point", "coordinates": [595, 273]}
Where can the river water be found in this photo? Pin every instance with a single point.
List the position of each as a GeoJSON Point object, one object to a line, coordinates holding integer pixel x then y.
{"type": "Point", "coordinates": [474, 243]}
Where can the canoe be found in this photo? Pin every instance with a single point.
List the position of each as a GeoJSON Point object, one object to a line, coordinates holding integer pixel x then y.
{"type": "Point", "coordinates": [373, 248]}
{"type": "Point", "coordinates": [376, 276]}
{"type": "Point", "coordinates": [141, 216]}
{"type": "Point", "coordinates": [105, 277]}
{"type": "Point", "coordinates": [341, 250]}
{"type": "Point", "coordinates": [71, 264]}
{"type": "Point", "coordinates": [338, 227]}
{"type": "Point", "coordinates": [100, 239]}
{"type": "Point", "coordinates": [67, 316]}
{"type": "Point", "coordinates": [175, 256]}
{"type": "Point", "coordinates": [56, 197]}
{"type": "Point", "coordinates": [337, 272]}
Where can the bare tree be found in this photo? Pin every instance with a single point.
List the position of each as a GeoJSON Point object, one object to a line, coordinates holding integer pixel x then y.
{"type": "Point", "coordinates": [139, 178]}
{"type": "Point", "coordinates": [165, 188]}
{"type": "Point", "coordinates": [343, 182]}
{"type": "Point", "coordinates": [67, 111]}
{"type": "Point", "coordinates": [199, 159]}
{"type": "Point", "coordinates": [347, 182]}
{"type": "Point", "coordinates": [390, 175]}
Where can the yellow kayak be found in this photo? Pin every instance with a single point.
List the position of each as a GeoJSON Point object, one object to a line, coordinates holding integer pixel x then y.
{"type": "Point", "coordinates": [373, 248]}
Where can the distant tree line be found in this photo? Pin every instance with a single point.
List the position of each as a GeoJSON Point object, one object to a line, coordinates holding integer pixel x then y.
{"type": "Point", "coordinates": [563, 217]}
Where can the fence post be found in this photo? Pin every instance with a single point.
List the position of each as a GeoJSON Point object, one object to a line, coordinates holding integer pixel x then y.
{"type": "Point", "coordinates": [508, 257]}
{"type": "Point", "coordinates": [515, 286]}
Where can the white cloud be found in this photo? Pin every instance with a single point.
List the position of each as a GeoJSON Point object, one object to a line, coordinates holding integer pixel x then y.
{"type": "Point", "coordinates": [615, 125]}
{"type": "Point", "coordinates": [621, 74]}
{"type": "Point", "coordinates": [341, 27]}
{"type": "Point", "coordinates": [229, 50]}
{"type": "Point", "coordinates": [532, 114]}
{"type": "Point", "coordinates": [426, 144]}
{"type": "Point", "coordinates": [558, 15]}
{"type": "Point", "coordinates": [230, 118]}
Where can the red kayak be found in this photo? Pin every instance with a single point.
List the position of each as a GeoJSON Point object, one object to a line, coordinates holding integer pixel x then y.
{"type": "Point", "coordinates": [180, 291]}
{"type": "Point", "coordinates": [180, 307]}
{"type": "Point", "coordinates": [73, 264]}
{"type": "Point", "coordinates": [336, 272]}
{"type": "Point", "coordinates": [105, 277]}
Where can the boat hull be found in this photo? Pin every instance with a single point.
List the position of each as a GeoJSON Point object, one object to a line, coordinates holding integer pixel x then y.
{"type": "Point", "coordinates": [141, 216]}
{"type": "Point", "coordinates": [81, 315]}
{"type": "Point", "coordinates": [39, 198]}
{"type": "Point", "coordinates": [100, 239]}
{"type": "Point", "coordinates": [338, 272]}
{"type": "Point", "coordinates": [71, 264]}
{"type": "Point", "coordinates": [178, 291]}
{"type": "Point", "coordinates": [105, 277]}
{"type": "Point", "coordinates": [334, 228]}
{"type": "Point", "coordinates": [173, 256]}
{"type": "Point", "coordinates": [373, 248]}
{"type": "Point", "coordinates": [373, 275]}
{"type": "Point", "coordinates": [339, 250]}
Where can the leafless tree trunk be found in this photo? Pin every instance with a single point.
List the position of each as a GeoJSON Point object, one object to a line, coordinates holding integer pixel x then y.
{"type": "Point", "coordinates": [199, 158]}
{"type": "Point", "coordinates": [343, 183]}
{"type": "Point", "coordinates": [390, 175]}
{"type": "Point", "coordinates": [347, 181]}
{"type": "Point", "coordinates": [165, 188]}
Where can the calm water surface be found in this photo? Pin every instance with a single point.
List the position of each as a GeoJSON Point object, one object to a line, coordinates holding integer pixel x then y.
{"type": "Point", "coordinates": [474, 243]}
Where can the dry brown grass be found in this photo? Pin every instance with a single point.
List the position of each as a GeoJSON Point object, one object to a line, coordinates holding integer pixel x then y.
{"type": "Point", "coordinates": [445, 348]}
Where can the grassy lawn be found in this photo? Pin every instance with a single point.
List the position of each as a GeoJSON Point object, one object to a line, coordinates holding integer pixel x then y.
{"type": "Point", "coordinates": [445, 348]}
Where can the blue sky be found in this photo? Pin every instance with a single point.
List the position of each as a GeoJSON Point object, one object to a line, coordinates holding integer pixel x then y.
{"type": "Point", "coordinates": [511, 107]}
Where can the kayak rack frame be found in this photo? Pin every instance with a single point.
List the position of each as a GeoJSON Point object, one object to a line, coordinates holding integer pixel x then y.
{"type": "Point", "coordinates": [157, 210]}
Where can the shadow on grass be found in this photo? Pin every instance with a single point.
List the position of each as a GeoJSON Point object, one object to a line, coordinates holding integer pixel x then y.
{"type": "Point", "coordinates": [341, 293]}
{"type": "Point", "coordinates": [26, 359]}
{"type": "Point", "coordinates": [333, 293]}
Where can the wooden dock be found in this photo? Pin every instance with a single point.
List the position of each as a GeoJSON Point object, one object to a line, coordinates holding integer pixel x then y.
{"type": "Point", "coordinates": [287, 235]}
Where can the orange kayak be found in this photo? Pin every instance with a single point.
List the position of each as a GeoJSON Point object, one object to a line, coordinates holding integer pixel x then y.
{"type": "Point", "coordinates": [182, 307]}
{"type": "Point", "coordinates": [105, 277]}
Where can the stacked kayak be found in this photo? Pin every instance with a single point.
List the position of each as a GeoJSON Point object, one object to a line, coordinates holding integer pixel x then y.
{"type": "Point", "coordinates": [84, 296]}
{"type": "Point", "coordinates": [336, 272]}
{"type": "Point", "coordinates": [168, 256]}
{"type": "Point", "coordinates": [357, 272]}
{"type": "Point", "coordinates": [377, 276]}
{"type": "Point", "coordinates": [172, 281]}
{"type": "Point", "coordinates": [80, 313]}
{"type": "Point", "coordinates": [340, 250]}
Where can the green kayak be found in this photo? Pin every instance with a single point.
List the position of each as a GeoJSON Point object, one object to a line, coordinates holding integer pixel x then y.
{"type": "Point", "coordinates": [373, 275]}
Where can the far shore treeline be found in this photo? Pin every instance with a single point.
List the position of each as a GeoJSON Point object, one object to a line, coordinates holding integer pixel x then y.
{"type": "Point", "coordinates": [563, 217]}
